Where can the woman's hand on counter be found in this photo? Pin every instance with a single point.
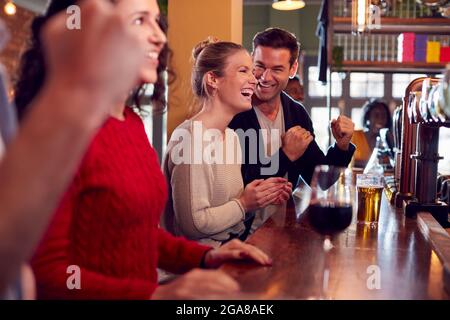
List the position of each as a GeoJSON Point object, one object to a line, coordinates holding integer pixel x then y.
{"type": "Point", "coordinates": [235, 250]}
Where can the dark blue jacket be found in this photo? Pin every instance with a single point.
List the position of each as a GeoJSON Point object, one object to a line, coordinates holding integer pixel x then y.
{"type": "Point", "coordinates": [294, 114]}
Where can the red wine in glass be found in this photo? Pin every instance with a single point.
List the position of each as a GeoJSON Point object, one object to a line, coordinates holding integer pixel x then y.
{"type": "Point", "coordinates": [329, 218]}
{"type": "Point", "coordinates": [330, 209]}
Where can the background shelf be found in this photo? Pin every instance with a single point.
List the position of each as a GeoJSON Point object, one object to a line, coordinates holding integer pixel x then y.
{"type": "Point", "coordinates": [391, 67]}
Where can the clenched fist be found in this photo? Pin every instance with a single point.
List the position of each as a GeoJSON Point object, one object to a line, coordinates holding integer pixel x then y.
{"type": "Point", "coordinates": [295, 142]}
{"type": "Point", "coordinates": [342, 129]}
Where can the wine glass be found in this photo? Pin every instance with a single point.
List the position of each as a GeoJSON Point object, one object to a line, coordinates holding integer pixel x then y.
{"type": "Point", "coordinates": [330, 209]}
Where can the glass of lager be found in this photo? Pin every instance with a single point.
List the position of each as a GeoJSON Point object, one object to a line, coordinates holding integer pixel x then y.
{"type": "Point", "coordinates": [370, 190]}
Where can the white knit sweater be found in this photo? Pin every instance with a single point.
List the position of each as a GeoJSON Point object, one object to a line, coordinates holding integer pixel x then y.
{"type": "Point", "coordinates": [203, 202]}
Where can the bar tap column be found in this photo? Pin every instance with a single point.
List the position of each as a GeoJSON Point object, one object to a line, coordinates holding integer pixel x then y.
{"type": "Point", "coordinates": [427, 159]}
{"type": "Point", "coordinates": [427, 117]}
{"type": "Point", "coordinates": [406, 170]}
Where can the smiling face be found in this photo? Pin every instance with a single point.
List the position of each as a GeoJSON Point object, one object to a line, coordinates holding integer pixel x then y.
{"type": "Point", "coordinates": [237, 85]}
{"type": "Point", "coordinates": [272, 71]}
{"type": "Point", "coordinates": [143, 17]}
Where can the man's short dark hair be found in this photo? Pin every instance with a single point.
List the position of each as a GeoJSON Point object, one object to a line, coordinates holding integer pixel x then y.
{"type": "Point", "coordinates": [278, 38]}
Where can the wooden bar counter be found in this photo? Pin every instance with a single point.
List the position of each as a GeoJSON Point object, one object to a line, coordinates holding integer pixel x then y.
{"type": "Point", "coordinates": [398, 248]}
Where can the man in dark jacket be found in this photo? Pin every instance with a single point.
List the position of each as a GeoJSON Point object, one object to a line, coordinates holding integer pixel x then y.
{"type": "Point", "coordinates": [289, 147]}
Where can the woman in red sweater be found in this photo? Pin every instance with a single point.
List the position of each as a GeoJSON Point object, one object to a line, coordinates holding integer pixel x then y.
{"type": "Point", "coordinates": [104, 241]}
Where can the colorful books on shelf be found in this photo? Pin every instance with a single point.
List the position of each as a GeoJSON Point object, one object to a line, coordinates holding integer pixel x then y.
{"type": "Point", "coordinates": [419, 48]}
{"type": "Point", "coordinates": [445, 54]}
{"type": "Point", "coordinates": [406, 47]}
{"type": "Point", "coordinates": [433, 51]}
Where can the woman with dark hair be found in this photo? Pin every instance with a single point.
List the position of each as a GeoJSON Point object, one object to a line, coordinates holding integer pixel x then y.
{"type": "Point", "coordinates": [48, 147]}
{"type": "Point", "coordinates": [376, 116]}
{"type": "Point", "coordinates": [104, 241]}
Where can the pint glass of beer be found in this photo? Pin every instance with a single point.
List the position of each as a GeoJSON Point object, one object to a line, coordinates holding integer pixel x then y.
{"type": "Point", "coordinates": [370, 191]}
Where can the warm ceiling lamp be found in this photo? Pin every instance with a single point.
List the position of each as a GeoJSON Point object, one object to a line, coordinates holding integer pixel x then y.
{"type": "Point", "coordinates": [288, 4]}
{"type": "Point", "coordinates": [10, 8]}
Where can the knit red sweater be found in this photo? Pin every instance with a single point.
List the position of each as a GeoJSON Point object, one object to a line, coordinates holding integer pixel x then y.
{"type": "Point", "coordinates": [108, 223]}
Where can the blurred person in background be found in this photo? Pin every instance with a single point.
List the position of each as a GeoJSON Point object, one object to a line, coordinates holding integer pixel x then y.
{"type": "Point", "coordinates": [375, 116]}
{"type": "Point", "coordinates": [74, 100]}
{"type": "Point", "coordinates": [295, 89]}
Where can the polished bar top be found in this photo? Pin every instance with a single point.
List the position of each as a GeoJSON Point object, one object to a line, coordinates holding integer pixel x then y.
{"type": "Point", "coordinates": [396, 250]}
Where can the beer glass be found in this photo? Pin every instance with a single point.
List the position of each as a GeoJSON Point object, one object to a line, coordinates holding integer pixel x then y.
{"type": "Point", "coordinates": [370, 190]}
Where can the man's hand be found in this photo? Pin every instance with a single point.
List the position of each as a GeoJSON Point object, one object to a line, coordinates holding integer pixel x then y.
{"type": "Point", "coordinates": [295, 142]}
{"type": "Point", "coordinates": [235, 250]}
{"type": "Point", "coordinates": [342, 129]}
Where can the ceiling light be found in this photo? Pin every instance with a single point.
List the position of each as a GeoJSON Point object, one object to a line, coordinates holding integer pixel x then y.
{"type": "Point", "coordinates": [288, 4]}
{"type": "Point", "coordinates": [10, 8]}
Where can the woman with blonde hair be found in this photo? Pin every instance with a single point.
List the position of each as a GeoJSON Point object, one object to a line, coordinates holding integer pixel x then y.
{"type": "Point", "coordinates": [207, 198]}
